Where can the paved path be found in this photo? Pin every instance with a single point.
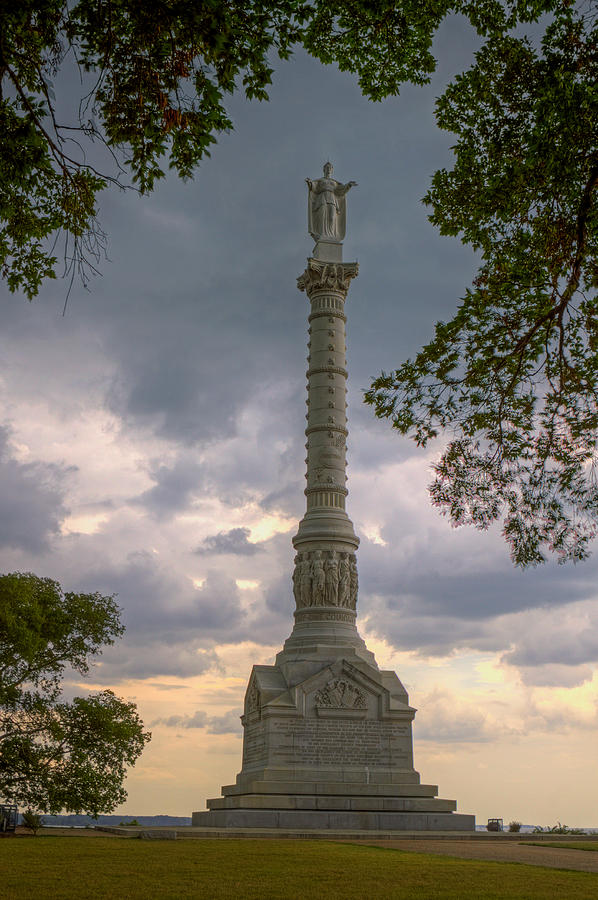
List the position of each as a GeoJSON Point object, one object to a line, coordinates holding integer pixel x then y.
{"type": "Point", "coordinates": [552, 857]}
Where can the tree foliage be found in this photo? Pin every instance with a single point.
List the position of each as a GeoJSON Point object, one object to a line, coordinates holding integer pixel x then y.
{"type": "Point", "coordinates": [512, 377]}
{"type": "Point", "coordinates": [56, 754]}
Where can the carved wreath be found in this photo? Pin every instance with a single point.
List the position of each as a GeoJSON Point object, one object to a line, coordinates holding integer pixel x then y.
{"type": "Point", "coordinates": [341, 694]}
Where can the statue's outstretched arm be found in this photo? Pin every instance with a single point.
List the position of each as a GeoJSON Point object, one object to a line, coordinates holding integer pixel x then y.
{"type": "Point", "coordinates": [342, 189]}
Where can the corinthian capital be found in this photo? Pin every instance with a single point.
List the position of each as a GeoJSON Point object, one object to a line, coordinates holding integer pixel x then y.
{"type": "Point", "coordinates": [325, 276]}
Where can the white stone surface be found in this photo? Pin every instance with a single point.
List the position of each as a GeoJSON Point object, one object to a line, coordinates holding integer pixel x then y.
{"type": "Point", "coordinates": [326, 206]}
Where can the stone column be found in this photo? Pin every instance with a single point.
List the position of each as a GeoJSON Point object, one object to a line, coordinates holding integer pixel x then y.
{"type": "Point", "coordinates": [325, 574]}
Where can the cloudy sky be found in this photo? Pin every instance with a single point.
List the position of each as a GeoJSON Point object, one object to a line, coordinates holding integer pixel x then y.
{"type": "Point", "coordinates": [151, 445]}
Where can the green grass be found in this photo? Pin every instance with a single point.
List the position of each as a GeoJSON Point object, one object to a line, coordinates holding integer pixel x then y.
{"type": "Point", "coordinates": [80, 868]}
{"type": "Point", "coordinates": [578, 845]}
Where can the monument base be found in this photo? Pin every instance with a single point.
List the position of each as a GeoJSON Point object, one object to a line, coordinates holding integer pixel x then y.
{"type": "Point", "coordinates": [328, 745]}
{"type": "Point", "coordinates": [333, 805]}
{"type": "Point", "coordinates": [333, 821]}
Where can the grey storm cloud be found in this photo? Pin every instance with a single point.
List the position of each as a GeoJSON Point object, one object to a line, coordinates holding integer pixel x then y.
{"type": "Point", "coordinates": [235, 541]}
{"type": "Point", "coordinates": [171, 626]}
{"type": "Point", "coordinates": [426, 599]}
{"type": "Point", "coordinates": [199, 719]}
{"type": "Point", "coordinates": [174, 487]}
{"type": "Point", "coordinates": [229, 723]}
{"type": "Point", "coordinates": [129, 659]}
{"type": "Point", "coordinates": [32, 503]}
{"type": "Point", "coordinates": [553, 674]}
{"type": "Point", "coordinates": [565, 637]}
{"type": "Point", "coordinates": [423, 583]}
{"type": "Point", "coordinates": [439, 718]}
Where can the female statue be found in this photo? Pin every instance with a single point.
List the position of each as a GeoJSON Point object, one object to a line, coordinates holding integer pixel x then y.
{"type": "Point", "coordinates": [326, 206]}
{"type": "Point", "coordinates": [297, 580]}
{"type": "Point", "coordinates": [318, 580]}
{"type": "Point", "coordinates": [344, 581]}
{"type": "Point", "coordinates": [331, 573]}
{"type": "Point", "coordinates": [354, 582]}
{"type": "Point", "coordinates": [305, 580]}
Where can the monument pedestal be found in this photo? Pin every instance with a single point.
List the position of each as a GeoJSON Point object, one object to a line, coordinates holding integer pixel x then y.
{"type": "Point", "coordinates": [327, 735]}
{"type": "Point", "coordinates": [328, 744]}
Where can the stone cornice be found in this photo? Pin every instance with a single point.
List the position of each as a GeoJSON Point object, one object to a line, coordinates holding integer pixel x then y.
{"type": "Point", "coordinates": [325, 276]}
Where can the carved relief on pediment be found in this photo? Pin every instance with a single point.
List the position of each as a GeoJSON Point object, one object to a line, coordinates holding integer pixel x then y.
{"type": "Point", "coordinates": [253, 698]}
{"type": "Point", "coordinates": [341, 694]}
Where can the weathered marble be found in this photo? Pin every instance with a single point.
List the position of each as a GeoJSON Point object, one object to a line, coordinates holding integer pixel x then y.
{"type": "Point", "coordinates": [326, 207]}
{"type": "Point", "coordinates": [328, 735]}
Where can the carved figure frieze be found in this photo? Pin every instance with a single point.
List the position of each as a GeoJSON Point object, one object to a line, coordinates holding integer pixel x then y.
{"type": "Point", "coordinates": [341, 694]}
{"type": "Point", "coordinates": [325, 578]}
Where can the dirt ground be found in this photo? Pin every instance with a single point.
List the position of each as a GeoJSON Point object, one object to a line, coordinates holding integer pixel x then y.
{"type": "Point", "coordinates": [553, 857]}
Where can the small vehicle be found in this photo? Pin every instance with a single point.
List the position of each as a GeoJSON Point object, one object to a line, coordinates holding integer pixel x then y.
{"type": "Point", "coordinates": [8, 817]}
{"type": "Point", "coordinates": [494, 825]}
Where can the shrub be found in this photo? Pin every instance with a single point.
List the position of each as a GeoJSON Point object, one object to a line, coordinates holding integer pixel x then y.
{"type": "Point", "coordinates": [514, 826]}
{"type": "Point", "coordinates": [32, 821]}
{"type": "Point", "coordinates": [557, 829]}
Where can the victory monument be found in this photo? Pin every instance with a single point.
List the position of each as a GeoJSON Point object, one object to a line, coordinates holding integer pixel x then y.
{"type": "Point", "coordinates": [327, 735]}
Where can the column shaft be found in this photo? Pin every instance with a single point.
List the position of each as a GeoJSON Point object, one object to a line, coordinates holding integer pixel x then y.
{"type": "Point", "coordinates": [325, 571]}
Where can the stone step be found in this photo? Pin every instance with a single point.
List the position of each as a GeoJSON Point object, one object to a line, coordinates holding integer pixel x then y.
{"type": "Point", "coordinates": [303, 802]}
{"type": "Point", "coordinates": [331, 788]}
{"type": "Point", "coordinates": [329, 774]}
{"type": "Point", "coordinates": [327, 820]}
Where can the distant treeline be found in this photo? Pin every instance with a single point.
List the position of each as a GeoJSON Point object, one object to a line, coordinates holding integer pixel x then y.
{"type": "Point", "coordinates": [81, 821]}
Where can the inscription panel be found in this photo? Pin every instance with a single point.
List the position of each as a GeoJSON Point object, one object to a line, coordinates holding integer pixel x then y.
{"type": "Point", "coordinates": [254, 745]}
{"type": "Point", "coordinates": [338, 742]}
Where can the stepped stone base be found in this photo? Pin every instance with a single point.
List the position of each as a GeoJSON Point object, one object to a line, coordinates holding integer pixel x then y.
{"type": "Point", "coordinates": [328, 745]}
{"type": "Point", "coordinates": [322, 819]}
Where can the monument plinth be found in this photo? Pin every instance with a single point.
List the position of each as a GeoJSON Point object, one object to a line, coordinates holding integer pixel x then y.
{"type": "Point", "coordinates": [327, 735]}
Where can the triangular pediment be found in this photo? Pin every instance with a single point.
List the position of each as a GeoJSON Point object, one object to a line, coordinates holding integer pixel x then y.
{"type": "Point", "coordinates": [265, 684]}
{"type": "Point", "coordinates": [342, 669]}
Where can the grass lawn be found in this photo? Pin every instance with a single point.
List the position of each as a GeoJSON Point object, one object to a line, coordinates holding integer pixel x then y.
{"type": "Point", "coordinates": [61, 868]}
{"type": "Point", "coordinates": [578, 845]}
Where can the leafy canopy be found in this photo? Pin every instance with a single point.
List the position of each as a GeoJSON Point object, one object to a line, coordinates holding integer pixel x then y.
{"type": "Point", "coordinates": [56, 754]}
